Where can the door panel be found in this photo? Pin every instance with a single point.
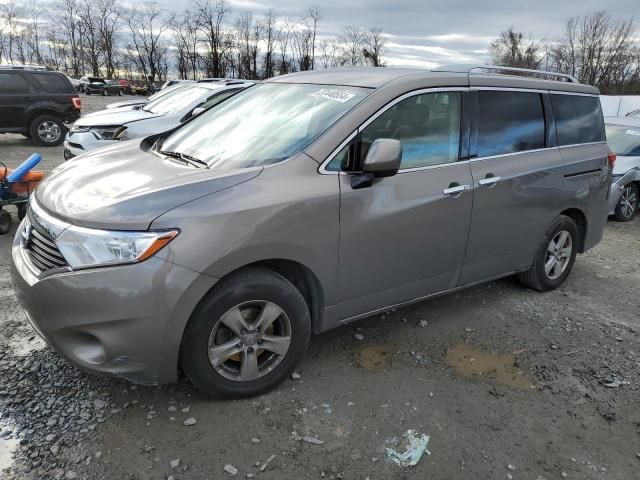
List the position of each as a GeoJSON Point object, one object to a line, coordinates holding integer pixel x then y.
{"type": "Point", "coordinates": [14, 97]}
{"type": "Point", "coordinates": [402, 238]}
{"type": "Point", "coordinates": [511, 215]}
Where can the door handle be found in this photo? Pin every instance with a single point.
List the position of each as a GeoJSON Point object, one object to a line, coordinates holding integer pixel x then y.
{"type": "Point", "coordinates": [489, 181]}
{"type": "Point", "coordinates": [457, 190]}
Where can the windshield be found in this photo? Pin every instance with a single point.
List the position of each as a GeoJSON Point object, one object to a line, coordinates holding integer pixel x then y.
{"type": "Point", "coordinates": [262, 125]}
{"type": "Point", "coordinates": [624, 140]}
{"type": "Point", "coordinates": [165, 91]}
{"type": "Point", "coordinates": [175, 103]}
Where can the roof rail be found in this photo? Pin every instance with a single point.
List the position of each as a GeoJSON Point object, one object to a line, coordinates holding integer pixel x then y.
{"type": "Point", "coordinates": [496, 68]}
{"type": "Point", "coordinates": [22, 67]}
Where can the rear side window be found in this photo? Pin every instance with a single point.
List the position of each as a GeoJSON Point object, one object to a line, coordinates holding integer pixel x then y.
{"type": "Point", "coordinates": [509, 122]}
{"type": "Point", "coordinates": [578, 119]}
{"type": "Point", "coordinates": [11, 82]}
{"type": "Point", "coordinates": [52, 83]}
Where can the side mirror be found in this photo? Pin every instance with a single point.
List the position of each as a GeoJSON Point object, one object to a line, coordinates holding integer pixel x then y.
{"type": "Point", "coordinates": [382, 160]}
{"type": "Point", "coordinates": [197, 111]}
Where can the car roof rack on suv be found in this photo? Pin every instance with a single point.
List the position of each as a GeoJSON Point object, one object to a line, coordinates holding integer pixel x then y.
{"type": "Point", "coordinates": [22, 67]}
{"type": "Point", "coordinates": [470, 69]}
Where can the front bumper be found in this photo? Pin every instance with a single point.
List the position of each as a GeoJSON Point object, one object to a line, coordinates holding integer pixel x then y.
{"type": "Point", "coordinates": [82, 142]}
{"type": "Point", "coordinates": [125, 321]}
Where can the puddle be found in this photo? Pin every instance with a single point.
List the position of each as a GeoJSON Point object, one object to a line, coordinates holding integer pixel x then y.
{"type": "Point", "coordinates": [375, 357]}
{"type": "Point", "coordinates": [474, 362]}
{"type": "Point", "coordinates": [7, 447]}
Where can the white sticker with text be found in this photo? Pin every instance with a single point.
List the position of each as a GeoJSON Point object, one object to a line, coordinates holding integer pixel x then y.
{"type": "Point", "coordinates": [336, 95]}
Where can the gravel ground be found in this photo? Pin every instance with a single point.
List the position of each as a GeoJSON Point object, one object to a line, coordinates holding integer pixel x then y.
{"type": "Point", "coordinates": [506, 382]}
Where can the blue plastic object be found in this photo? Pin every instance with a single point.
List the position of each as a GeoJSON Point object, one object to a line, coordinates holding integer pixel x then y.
{"type": "Point", "coordinates": [24, 168]}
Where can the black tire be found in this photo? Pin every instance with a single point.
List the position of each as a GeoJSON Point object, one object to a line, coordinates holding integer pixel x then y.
{"type": "Point", "coordinates": [22, 210]}
{"type": "Point", "coordinates": [243, 286]}
{"type": "Point", "coordinates": [26, 135]}
{"type": "Point", "coordinates": [625, 213]}
{"type": "Point", "coordinates": [5, 222]}
{"type": "Point", "coordinates": [536, 277]}
{"type": "Point", "coordinates": [120, 93]}
{"type": "Point", "coordinates": [51, 120]}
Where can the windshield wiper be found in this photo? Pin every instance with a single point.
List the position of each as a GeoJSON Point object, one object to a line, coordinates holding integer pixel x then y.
{"type": "Point", "coordinates": [196, 162]}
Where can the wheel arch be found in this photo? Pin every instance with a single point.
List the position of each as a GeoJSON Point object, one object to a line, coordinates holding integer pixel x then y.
{"type": "Point", "coordinates": [580, 219]}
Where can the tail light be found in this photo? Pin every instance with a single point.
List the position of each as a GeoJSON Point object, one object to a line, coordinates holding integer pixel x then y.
{"type": "Point", "coordinates": [612, 159]}
{"type": "Point", "coordinates": [77, 103]}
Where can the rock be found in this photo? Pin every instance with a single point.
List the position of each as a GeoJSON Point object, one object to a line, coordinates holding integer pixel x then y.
{"type": "Point", "coordinates": [69, 475]}
{"type": "Point", "coordinates": [55, 449]}
{"type": "Point", "coordinates": [5, 433]}
{"type": "Point", "coordinates": [174, 463]}
{"type": "Point", "coordinates": [250, 475]}
{"type": "Point", "coordinates": [190, 421]}
{"type": "Point", "coordinates": [511, 467]}
{"type": "Point", "coordinates": [100, 404]}
{"type": "Point", "coordinates": [255, 440]}
{"type": "Point", "coordinates": [422, 323]}
{"type": "Point", "coordinates": [264, 466]}
{"type": "Point", "coordinates": [312, 440]}
{"type": "Point", "coordinates": [359, 337]}
{"type": "Point", "coordinates": [186, 409]}
{"type": "Point", "coordinates": [469, 330]}
{"type": "Point", "coordinates": [295, 376]}
{"type": "Point", "coordinates": [50, 438]}
{"type": "Point", "coordinates": [172, 409]}
{"type": "Point", "coordinates": [564, 474]}
{"type": "Point", "coordinates": [230, 469]}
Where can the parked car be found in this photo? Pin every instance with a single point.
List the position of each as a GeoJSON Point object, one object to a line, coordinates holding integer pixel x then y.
{"type": "Point", "coordinates": [623, 137]}
{"type": "Point", "coordinates": [100, 86]}
{"type": "Point", "coordinates": [170, 83]}
{"type": "Point", "coordinates": [302, 204]}
{"type": "Point", "coordinates": [106, 127]}
{"type": "Point", "coordinates": [37, 103]}
{"type": "Point", "coordinates": [138, 102]}
{"type": "Point", "coordinates": [77, 84]}
{"type": "Point", "coordinates": [125, 86]}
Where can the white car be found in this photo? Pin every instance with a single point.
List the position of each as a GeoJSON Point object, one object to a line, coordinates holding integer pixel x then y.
{"type": "Point", "coordinates": [623, 137]}
{"type": "Point", "coordinates": [140, 101]}
{"type": "Point", "coordinates": [106, 127]}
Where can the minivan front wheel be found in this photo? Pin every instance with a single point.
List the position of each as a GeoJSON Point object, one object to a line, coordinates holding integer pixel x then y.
{"type": "Point", "coordinates": [247, 335]}
{"type": "Point", "coordinates": [555, 256]}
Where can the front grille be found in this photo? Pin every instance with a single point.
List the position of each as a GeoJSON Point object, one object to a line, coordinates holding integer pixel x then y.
{"type": "Point", "coordinates": [42, 250]}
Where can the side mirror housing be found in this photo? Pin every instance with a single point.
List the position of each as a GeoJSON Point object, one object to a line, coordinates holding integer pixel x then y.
{"type": "Point", "coordinates": [197, 111]}
{"type": "Point", "coordinates": [383, 158]}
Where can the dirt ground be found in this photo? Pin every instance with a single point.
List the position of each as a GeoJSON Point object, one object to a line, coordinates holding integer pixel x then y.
{"type": "Point", "coordinates": [506, 382]}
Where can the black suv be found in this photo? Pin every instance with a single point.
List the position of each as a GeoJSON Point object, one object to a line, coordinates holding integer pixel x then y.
{"type": "Point", "coordinates": [37, 103]}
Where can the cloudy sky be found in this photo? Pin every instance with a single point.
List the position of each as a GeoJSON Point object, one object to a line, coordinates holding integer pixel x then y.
{"type": "Point", "coordinates": [432, 32]}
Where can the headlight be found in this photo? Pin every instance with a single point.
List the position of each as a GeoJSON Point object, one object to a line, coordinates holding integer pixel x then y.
{"type": "Point", "coordinates": [87, 247]}
{"type": "Point", "coordinates": [108, 133]}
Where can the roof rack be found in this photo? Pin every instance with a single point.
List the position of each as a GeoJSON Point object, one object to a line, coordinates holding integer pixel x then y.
{"type": "Point", "coordinates": [22, 67]}
{"type": "Point", "coordinates": [495, 68]}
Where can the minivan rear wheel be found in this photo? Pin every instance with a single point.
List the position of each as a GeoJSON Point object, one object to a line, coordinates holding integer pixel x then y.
{"type": "Point", "coordinates": [246, 336]}
{"type": "Point", "coordinates": [555, 256]}
{"type": "Point", "coordinates": [628, 204]}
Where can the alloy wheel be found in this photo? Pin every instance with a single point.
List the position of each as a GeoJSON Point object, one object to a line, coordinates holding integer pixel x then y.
{"type": "Point", "coordinates": [249, 341]}
{"type": "Point", "coordinates": [628, 201]}
{"type": "Point", "coordinates": [49, 131]}
{"type": "Point", "coordinates": [558, 256]}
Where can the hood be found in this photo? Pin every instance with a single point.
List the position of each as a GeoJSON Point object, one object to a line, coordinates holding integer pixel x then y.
{"type": "Point", "coordinates": [112, 117]}
{"type": "Point", "coordinates": [127, 103]}
{"type": "Point", "coordinates": [125, 187]}
{"type": "Point", "coordinates": [624, 164]}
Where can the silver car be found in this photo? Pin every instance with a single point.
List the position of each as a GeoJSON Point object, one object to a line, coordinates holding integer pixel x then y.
{"type": "Point", "coordinates": [302, 204]}
{"type": "Point", "coordinates": [623, 136]}
{"type": "Point", "coordinates": [110, 126]}
{"type": "Point", "coordinates": [139, 102]}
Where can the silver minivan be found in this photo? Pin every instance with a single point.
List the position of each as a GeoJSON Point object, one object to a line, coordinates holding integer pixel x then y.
{"type": "Point", "coordinates": [304, 203]}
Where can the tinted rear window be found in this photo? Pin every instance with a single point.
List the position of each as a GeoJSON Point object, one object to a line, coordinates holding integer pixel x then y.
{"type": "Point", "coordinates": [52, 83]}
{"type": "Point", "coordinates": [11, 82]}
{"type": "Point", "coordinates": [509, 122]}
{"type": "Point", "coordinates": [578, 119]}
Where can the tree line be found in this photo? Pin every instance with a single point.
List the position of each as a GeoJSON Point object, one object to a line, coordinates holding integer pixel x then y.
{"type": "Point", "coordinates": [594, 48]}
{"type": "Point", "coordinates": [207, 39]}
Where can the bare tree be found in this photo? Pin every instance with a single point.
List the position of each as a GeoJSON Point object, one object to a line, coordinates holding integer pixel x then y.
{"type": "Point", "coordinates": [353, 39]}
{"type": "Point", "coordinates": [92, 46]}
{"type": "Point", "coordinates": [211, 15]}
{"type": "Point", "coordinates": [598, 51]}
{"type": "Point", "coordinates": [67, 30]}
{"type": "Point", "coordinates": [285, 36]}
{"type": "Point", "coordinates": [148, 50]}
{"type": "Point", "coordinates": [374, 46]}
{"type": "Point", "coordinates": [511, 49]}
{"type": "Point", "coordinates": [312, 20]}
{"type": "Point", "coordinates": [329, 53]}
{"type": "Point", "coordinates": [108, 20]}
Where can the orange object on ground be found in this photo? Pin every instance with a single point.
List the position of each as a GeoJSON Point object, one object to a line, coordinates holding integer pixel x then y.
{"type": "Point", "coordinates": [28, 183]}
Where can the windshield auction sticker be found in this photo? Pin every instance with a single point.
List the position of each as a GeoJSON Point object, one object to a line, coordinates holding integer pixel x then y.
{"type": "Point", "coordinates": [336, 95]}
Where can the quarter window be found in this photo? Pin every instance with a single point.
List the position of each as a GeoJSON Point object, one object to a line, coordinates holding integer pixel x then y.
{"type": "Point", "coordinates": [52, 82]}
{"type": "Point", "coordinates": [427, 125]}
{"type": "Point", "coordinates": [578, 119]}
{"type": "Point", "coordinates": [509, 122]}
{"type": "Point", "coordinates": [12, 83]}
